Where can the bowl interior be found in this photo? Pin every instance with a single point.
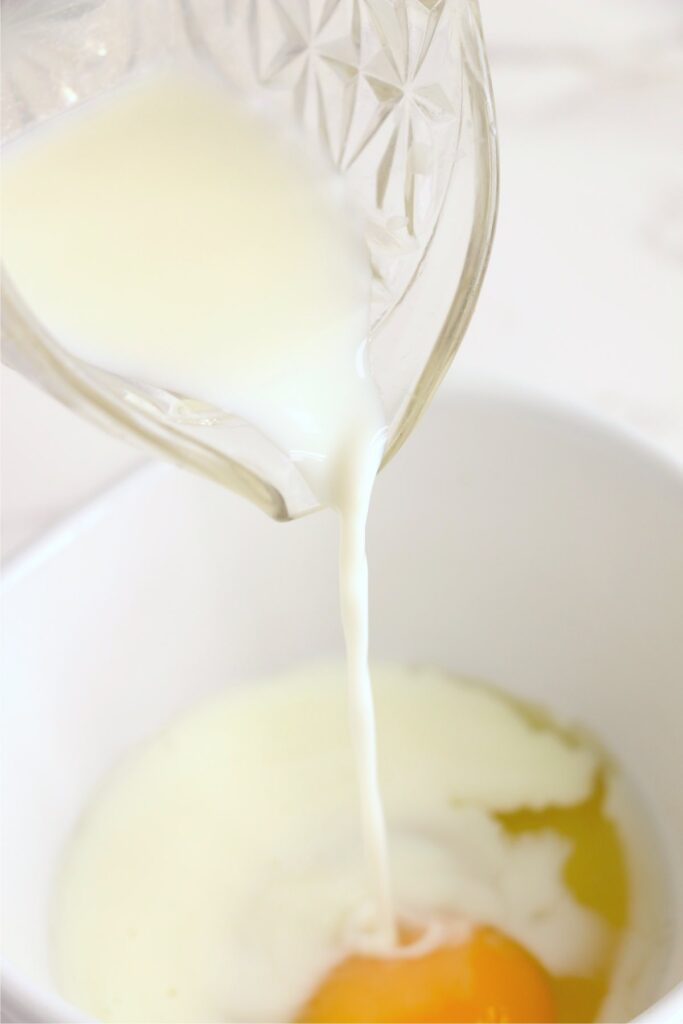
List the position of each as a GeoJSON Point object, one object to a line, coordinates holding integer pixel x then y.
{"type": "Point", "coordinates": [511, 541]}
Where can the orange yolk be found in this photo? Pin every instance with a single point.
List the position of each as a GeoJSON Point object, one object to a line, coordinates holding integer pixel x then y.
{"type": "Point", "coordinates": [488, 978]}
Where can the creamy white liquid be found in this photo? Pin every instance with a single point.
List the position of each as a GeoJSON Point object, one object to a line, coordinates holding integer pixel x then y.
{"type": "Point", "coordinates": [217, 875]}
{"type": "Point", "coordinates": [166, 235]}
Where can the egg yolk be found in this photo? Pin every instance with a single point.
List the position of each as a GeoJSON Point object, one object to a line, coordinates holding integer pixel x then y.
{"type": "Point", "coordinates": [488, 978]}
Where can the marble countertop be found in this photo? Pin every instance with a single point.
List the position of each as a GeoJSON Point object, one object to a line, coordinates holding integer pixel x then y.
{"type": "Point", "coordinates": [584, 294]}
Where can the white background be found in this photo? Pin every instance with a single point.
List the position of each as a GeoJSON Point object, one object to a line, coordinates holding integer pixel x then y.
{"type": "Point", "coordinates": [584, 295]}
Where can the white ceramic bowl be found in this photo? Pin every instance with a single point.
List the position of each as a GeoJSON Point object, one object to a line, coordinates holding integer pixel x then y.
{"type": "Point", "coordinates": [511, 540]}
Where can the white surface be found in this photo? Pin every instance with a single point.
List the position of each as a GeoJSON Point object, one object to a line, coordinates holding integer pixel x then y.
{"type": "Point", "coordinates": [564, 525]}
{"type": "Point", "coordinates": [584, 294]}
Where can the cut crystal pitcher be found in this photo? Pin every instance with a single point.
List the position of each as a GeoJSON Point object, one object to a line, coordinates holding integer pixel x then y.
{"type": "Point", "coordinates": [394, 95]}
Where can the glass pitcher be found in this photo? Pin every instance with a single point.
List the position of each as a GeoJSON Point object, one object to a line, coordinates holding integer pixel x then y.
{"type": "Point", "coordinates": [395, 95]}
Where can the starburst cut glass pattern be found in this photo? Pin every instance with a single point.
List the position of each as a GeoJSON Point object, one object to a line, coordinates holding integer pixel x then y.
{"type": "Point", "coordinates": [378, 85]}
{"type": "Point", "coordinates": [394, 94]}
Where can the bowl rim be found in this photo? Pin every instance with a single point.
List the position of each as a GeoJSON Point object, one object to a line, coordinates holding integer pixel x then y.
{"type": "Point", "coordinates": [472, 387]}
{"type": "Point", "coordinates": [19, 993]}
